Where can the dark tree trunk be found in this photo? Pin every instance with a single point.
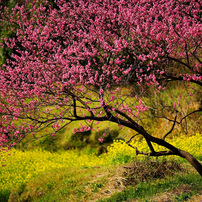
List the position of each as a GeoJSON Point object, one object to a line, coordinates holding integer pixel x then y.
{"type": "Point", "coordinates": [173, 150]}
{"type": "Point", "coordinates": [192, 161]}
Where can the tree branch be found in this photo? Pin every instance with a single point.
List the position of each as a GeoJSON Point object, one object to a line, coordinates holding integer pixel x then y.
{"type": "Point", "coordinates": [160, 153]}
{"type": "Point", "coordinates": [132, 138]}
{"type": "Point", "coordinates": [171, 128]}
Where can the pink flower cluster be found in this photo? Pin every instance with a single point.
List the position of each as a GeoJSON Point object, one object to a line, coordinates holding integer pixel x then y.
{"type": "Point", "coordinates": [69, 64]}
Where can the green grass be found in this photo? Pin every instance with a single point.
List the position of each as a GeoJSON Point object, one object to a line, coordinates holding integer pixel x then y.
{"type": "Point", "coordinates": [60, 184]}
{"type": "Point", "coordinates": [84, 184]}
{"type": "Point", "coordinates": [145, 191]}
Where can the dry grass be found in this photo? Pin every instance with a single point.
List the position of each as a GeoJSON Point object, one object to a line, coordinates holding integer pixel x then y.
{"type": "Point", "coordinates": [131, 174]}
{"type": "Point", "coordinates": [141, 171]}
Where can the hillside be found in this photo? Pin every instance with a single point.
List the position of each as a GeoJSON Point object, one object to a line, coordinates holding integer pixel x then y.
{"type": "Point", "coordinates": [120, 174]}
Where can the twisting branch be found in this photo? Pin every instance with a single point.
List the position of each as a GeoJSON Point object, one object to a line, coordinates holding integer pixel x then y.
{"type": "Point", "coordinates": [80, 100]}
{"type": "Point", "coordinates": [187, 55]}
{"type": "Point", "coordinates": [136, 125]}
{"type": "Point", "coordinates": [124, 115]}
{"type": "Point", "coordinates": [132, 138]}
{"type": "Point", "coordinates": [199, 110]}
{"type": "Point", "coordinates": [179, 122]}
{"type": "Point", "coordinates": [160, 153]}
{"type": "Point", "coordinates": [179, 61]}
{"type": "Point", "coordinates": [74, 101]}
{"type": "Point", "coordinates": [174, 122]}
{"type": "Point", "coordinates": [150, 145]}
{"type": "Point", "coordinates": [148, 142]}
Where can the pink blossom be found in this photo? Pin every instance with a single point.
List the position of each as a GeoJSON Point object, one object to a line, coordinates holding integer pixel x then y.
{"type": "Point", "coordinates": [101, 139]}
{"type": "Point", "coordinates": [85, 61]}
{"type": "Point", "coordinates": [101, 91]}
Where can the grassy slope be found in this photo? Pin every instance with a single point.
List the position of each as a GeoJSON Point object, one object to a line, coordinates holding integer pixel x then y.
{"type": "Point", "coordinates": [81, 176]}
{"type": "Point", "coordinates": [93, 183]}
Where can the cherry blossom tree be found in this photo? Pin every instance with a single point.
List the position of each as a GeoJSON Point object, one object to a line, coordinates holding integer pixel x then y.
{"type": "Point", "coordinates": [71, 60]}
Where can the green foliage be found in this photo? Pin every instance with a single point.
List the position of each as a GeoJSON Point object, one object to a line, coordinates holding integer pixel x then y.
{"type": "Point", "coordinates": [81, 136]}
{"type": "Point", "coordinates": [183, 197]}
{"type": "Point", "coordinates": [5, 32]}
{"type": "Point", "coordinates": [66, 140]}
{"type": "Point", "coordinates": [96, 186]}
{"type": "Point", "coordinates": [50, 185]}
{"type": "Point", "coordinates": [21, 188]}
{"type": "Point", "coordinates": [78, 140]}
{"type": "Point", "coordinates": [4, 195]}
{"type": "Point", "coordinates": [49, 143]}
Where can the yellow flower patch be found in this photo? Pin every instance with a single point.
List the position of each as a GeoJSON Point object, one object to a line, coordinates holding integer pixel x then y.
{"type": "Point", "coordinates": [21, 166]}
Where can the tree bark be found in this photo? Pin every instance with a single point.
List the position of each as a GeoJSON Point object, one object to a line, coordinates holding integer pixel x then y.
{"type": "Point", "coordinates": [192, 161]}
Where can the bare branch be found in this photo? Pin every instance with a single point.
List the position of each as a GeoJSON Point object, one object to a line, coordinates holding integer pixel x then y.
{"type": "Point", "coordinates": [171, 128]}
{"type": "Point", "coordinates": [160, 153]}
{"type": "Point", "coordinates": [132, 138]}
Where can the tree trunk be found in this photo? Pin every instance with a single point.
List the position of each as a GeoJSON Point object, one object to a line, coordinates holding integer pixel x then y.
{"type": "Point", "coordinates": [176, 151]}
{"type": "Point", "coordinates": [192, 161]}
{"type": "Point", "coordinates": [173, 150]}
